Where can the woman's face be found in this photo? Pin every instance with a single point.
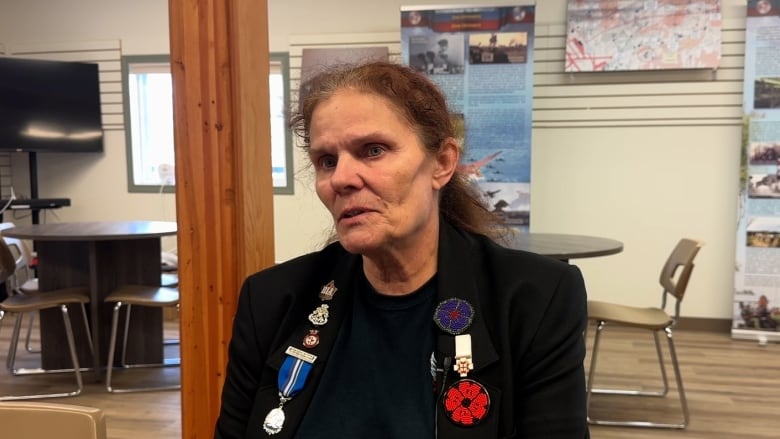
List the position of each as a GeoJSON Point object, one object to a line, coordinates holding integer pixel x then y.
{"type": "Point", "coordinates": [373, 174]}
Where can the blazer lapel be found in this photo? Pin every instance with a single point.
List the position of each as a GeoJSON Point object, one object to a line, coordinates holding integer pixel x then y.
{"type": "Point", "coordinates": [457, 278]}
{"type": "Point", "coordinates": [339, 306]}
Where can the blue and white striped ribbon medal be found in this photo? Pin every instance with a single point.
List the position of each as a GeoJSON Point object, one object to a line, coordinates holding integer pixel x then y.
{"type": "Point", "coordinates": [292, 378]}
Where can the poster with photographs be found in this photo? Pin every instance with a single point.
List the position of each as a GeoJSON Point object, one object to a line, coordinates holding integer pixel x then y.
{"type": "Point", "coordinates": [757, 278]}
{"type": "Point", "coordinates": [482, 59]}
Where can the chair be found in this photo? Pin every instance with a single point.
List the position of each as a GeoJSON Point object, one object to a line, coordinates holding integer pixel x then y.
{"type": "Point", "coordinates": [651, 319]}
{"type": "Point", "coordinates": [169, 265]}
{"type": "Point", "coordinates": [170, 280]}
{"type": "Point", "coordinates": [24, 281]}
{"type": "Point", "coordinates": [129, 296]}
{"type": "Point", "coordinates": [19, 304]}
{"type": "Point", "coordinates": [39, 420]}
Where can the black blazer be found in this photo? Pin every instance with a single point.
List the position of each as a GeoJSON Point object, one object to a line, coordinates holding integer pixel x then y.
{"type": "Point", "coordinates": [527, 343]}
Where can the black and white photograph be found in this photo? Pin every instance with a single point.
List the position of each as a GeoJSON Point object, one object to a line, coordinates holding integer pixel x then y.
{"type": "Point", "coordinates": [440, 54]}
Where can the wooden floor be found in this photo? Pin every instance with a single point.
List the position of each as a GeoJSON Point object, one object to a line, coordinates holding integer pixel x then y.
{"type": "Point", "coordinates": [128, 415]}
{"type": "Point", "coordinates": [733, 386]}
{"type": "Point", "coordinates": [733, 389]}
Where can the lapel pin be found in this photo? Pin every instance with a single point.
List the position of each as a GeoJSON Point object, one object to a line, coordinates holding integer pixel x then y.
{"type": "Point", "coordinates": [328, 290]}
{"type": "Point", "coordinates": [312, 339]}
{"type": "Point", "coordinates": [463, 364]}
{"type": "Point", "coordinates": [466, 403]}
{"type": "Point", "coordinates": [454, 316]}
{"type": "Point", "coordinates": [319, 316]}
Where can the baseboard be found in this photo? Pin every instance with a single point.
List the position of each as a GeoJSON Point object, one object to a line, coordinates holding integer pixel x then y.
{"type": "Point", "coordinates": [704, 324]}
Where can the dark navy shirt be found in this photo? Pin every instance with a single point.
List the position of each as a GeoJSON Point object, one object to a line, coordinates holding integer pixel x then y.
{"type": "Point", "coordinates": [377, 383]}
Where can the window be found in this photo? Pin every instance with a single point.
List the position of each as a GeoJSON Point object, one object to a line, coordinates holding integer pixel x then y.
{"type": "Point", "coordinates": [148, 108]}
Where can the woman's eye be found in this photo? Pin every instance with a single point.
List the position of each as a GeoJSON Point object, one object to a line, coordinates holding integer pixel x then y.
{"type": "Point", "coordinates": [375, 150]}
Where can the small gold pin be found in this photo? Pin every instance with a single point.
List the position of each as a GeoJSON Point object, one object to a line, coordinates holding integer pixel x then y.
{"type": "Point", "coordinates": [328, 291]}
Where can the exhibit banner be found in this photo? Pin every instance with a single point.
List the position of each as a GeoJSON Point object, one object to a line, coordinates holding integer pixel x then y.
{"type": "Point", "coordinates": [482, 59]}
{"type": "Point", "coordinates": [757, 281]}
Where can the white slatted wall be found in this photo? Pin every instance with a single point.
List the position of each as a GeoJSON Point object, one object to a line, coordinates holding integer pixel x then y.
{"type": "Point", "coordinates": [596, 100]}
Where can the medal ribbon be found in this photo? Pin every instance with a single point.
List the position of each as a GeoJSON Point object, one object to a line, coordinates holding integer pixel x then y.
{"type": "Point", "coordinates": [292, 376]}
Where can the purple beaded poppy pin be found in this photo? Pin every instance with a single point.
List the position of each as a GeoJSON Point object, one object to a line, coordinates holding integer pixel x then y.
{"type": "Point", "coordinates": [454, 316]}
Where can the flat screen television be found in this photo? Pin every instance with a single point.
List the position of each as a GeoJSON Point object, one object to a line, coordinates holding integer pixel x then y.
{"type": "Point", "coordinates": [49, 106]}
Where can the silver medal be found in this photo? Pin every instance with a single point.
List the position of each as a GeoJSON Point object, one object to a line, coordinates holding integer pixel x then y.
{"type": "Point", "coordinates": [274, 421]}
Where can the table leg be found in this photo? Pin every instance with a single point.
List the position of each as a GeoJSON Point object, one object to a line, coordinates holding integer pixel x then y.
{"type": "Point", "coordinates": [94, 306]}
{"type": "Point", "coordinates": [100, 266]}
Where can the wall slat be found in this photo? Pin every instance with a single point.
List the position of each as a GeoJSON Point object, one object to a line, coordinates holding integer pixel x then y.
{"type": "Point", "coordinates": [702, 97]}
{"type": "Point", "coordinates": [606, 90]}
{"type": "Point", "coordinates": [638, 101]}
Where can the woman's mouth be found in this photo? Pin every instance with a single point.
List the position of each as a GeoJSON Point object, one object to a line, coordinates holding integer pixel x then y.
{"type": "Point", "coordinates": [351, 213]}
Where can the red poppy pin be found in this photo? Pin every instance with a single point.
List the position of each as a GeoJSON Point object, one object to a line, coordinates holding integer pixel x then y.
{"type": "Point", "coordinates": [466, 403]}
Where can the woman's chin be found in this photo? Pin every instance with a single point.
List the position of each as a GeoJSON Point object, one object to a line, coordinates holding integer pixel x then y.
{"type": "Point", "coordinates": [358, 244]}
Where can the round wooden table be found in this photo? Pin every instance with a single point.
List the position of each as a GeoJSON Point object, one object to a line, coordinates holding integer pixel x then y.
{"type": "Point", "coordinates": [565, 247]}
{"type": "Point", "coordinates": [100, 255]}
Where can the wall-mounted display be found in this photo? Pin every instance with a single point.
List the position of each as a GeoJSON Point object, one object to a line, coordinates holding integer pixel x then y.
{"type": "Point", "coordinates": [611, 35]}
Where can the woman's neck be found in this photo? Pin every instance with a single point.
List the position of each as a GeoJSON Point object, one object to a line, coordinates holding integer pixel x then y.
{"type": "Point", "coordinates": [402, 272]}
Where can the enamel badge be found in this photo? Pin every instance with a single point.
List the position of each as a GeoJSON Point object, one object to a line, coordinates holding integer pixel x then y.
{"type": "Point", "coordinates": [312, 339]}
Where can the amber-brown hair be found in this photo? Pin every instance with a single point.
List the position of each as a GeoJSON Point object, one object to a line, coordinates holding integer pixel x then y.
{"type": "Point", "coordinates": [420, 102]}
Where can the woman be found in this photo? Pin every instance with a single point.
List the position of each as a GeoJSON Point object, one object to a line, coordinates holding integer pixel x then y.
{"type": "Point", "coordinates": [414, 324]}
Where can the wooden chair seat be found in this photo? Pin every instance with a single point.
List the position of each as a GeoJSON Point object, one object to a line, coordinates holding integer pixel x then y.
{"type": "Point", "coordinates": [647, 318]}
{"type": "Point", "coordinates": [144, 295]}
{"type": "Point", "coordinates": [40, 420]}
{"type": "Point", "coordinates": [21, 303]}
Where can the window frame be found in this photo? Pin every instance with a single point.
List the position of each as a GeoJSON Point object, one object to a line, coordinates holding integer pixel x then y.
{"type": "Point", "coordinates": [282, 59]}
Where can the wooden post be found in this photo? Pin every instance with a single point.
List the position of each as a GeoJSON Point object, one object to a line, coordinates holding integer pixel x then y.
{"type": "Point", "coordinates": [224, 193]}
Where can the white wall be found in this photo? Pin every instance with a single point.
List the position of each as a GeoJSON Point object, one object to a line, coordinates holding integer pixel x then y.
{"type": "Point", "coordinates": [95, 183]}
{"type": "Point", "coordinates": [644, 186]}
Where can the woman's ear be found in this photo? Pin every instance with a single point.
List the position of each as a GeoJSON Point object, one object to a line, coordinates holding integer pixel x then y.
{"type": "Point", "coordinates": [446, 162]}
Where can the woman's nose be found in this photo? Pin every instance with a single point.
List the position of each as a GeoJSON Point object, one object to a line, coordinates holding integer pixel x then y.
{"type": "Point", "coordinates": [346, 174]}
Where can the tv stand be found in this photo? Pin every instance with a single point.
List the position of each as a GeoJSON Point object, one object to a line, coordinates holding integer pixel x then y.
{"type": "Point", "coordinates": [32, 161]}
{"type": "Point", "coordinates": [34, 203]}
